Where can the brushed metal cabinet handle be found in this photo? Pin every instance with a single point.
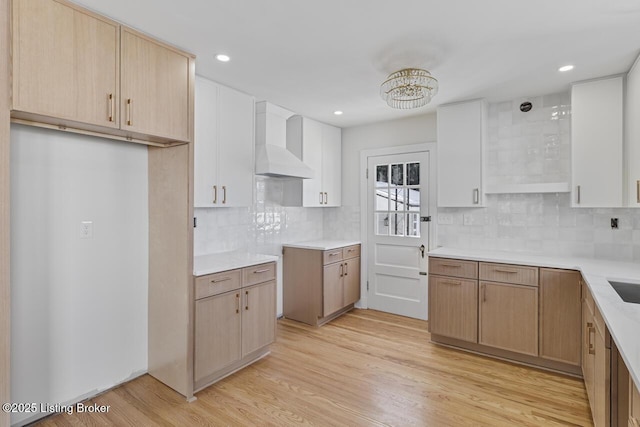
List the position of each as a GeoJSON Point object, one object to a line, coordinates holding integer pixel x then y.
{"type": "Point", "coordinates": [224, 194]}
{"type": "Point", "coordinates": [129, 113]}
{"type": "Point", "coordinates": [261, 271]}
{"type": "Point", "coordinates": [498, 270]}
{"type": "Point", "coordinates": [341, 270]}
{"type": "Point", "coordinates": [484, 293]}
{"type": "Point", "coordinates": [237, 303]}
{"type": "Point", "coordinates": [346, 268]}
{"type": "Point", "coordinates": [578, 195]}
{"type": "Point", "coordinates": [476, 196]}
{"type": "Point", "coordinates": [326, 198]}
{"type": "Point", "coordinates": [215, 194]}
{"type": "Point", "coordinates": [246, 293]}
{"type": "Point", "coordinates": [449, 282]}
{"type": "Point", "coordinates": [592, 348]}
{"type": "Point", "coordinates": [110, 102]}
{"type": "Point", "coordinates": [224, 279]}
{"type": "Point", "coordinates": [638, 191]}
{"type": "Point", "coordinates": [321, 197]}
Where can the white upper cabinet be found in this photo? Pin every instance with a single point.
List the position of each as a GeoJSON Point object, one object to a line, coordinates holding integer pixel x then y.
{"type": "Point", "coordinates": [319, 146]}
{"type": "Point", "coordinates": [632, 135]}
{"type": "Point", "coordinates": [224, 131]}
{"type": "Point", "coordinates": [461, 136]}
{"type": "Point", "coordinates": [597, 143]}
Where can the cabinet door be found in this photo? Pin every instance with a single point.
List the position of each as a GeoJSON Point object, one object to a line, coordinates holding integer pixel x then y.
{"type": "Point", "coordinates": [65, 63]}
{"type": "Point", "coordinates": [596, 143]}
{"type": "Point", "coordinates": [588, 349]}
{"type": "Point", "coordinates": [258, 317]}
{"type": "Point", "coordinates": [634, 404]}
{"type": "Point", "coordinates": [632, 135]}
{"type": "Point", "coordinates": [453, 308]}
{"type": "Point", "coordinates": [560, 316]}
{"type": "Point", "coordinates": [461, 134]}
{"type": "Point", "coordinates": [351, 281]}
{"type": "Point", "coordinates": [312, 191]}
{"type": "Point", "coordinates": [601, 381]}
{"type": "Point", "coordinates": [509, 317]}
{"type": "Point", "coordinates": [154, 88]}
{"type": "Point", "coordinates": [235, 148]}
{"type": "Point", "coordinates": [206, 187]}
{"type": "Point", "coordinates": [332, 293]}
{"type": "Point", "coordinates": [332, 165]}
{"type": "Point", "coordinates": [217, 334]}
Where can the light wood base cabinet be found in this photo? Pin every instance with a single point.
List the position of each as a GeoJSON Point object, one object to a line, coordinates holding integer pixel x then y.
{"type": "Point", "coordinates": [508, 317]}
{"type": "Point", "coordinates": [634, 405]}
{"type": "Point", "coordinates": [235, 321]}
{"type": "Point", "coordinates": [527, 314]}
{"type": "Point", "coordinates": [560, 315]}
{"type": "Point", "coordinates": [596, 363]}
{"type": "Point", "coordinates": [320, 285]}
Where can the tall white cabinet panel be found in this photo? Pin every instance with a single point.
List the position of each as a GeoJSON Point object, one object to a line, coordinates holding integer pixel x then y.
{"type": "Point", "coordinates": [224, 126]}
{"type": "Point", "coordinates": [319, 146]}
{"type": "Point", "coordinates": [235, 147]}
{"type": "Point", "coordinates": [461, 136]}
{"type": "Point", "coordinates": [206, 143]}
{"type": "Point", "coordinates": [632, 135]}
{"type": "Point", "coordinates": [597, 143]}
{"type": "Point", "coordinates": [332, 165]}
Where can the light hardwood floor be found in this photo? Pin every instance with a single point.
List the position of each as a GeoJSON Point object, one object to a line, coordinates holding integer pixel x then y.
{"type": "Point", "coordinates": [364, 368]}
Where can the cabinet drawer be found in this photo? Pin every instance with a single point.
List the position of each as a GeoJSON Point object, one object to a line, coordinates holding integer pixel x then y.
{"type": "Point", "coordinates": [507, 273]}
{"type": "Point", "coordinates": [351, 252]}
{"type": "Point", "coordinates": [214, 284]}
{"type": "Point", "coordinates": [333, 255]}
{"type": "Point", "coordinates": [453, 267]}
{"type": "Point", "coordinates": [258, 274]}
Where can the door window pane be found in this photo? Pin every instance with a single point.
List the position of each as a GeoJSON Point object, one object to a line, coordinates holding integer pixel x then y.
{"type": "Point", "coordinates": [413, 224]}
{"type": "Point", "coordinates": [413, 199]}
{"type": "Point", "coordinates": [382, 224]}
{"type": "Point", "coordinates": [397, 174]}
{"type": "Point", "coordinates": [382, 176]}
{"type": "Point", "coordinates": [413, 173]}
{"type": "Point", "coordinates": [397, 199]}
{"type": "Point", "coordinates": [397, 224]}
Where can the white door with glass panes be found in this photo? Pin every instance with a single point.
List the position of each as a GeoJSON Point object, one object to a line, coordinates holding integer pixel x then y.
{"type": "Point", "coordinates": [398, 238]}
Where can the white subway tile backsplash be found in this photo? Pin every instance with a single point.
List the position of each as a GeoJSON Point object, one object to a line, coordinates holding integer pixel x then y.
{"type": "Point", "coordinates": [535, 147]}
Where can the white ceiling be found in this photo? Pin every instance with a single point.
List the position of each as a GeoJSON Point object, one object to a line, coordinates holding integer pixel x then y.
{"type": "Point", "coordinates": [314, 57]}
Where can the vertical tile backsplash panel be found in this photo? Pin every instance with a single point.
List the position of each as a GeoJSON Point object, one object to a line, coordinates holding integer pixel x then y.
{"type": "Point", "coordinates": [528, 148]}
{"type": "Point", "coordinates": [261, 228]}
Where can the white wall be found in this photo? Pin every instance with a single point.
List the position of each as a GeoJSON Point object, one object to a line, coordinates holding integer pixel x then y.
{"type": "Point", "coordinates": [79, 306]}
{"type": "Point", "coordinates": [344, 222]}
{"type": "Point", "coordinates": [411, 130]}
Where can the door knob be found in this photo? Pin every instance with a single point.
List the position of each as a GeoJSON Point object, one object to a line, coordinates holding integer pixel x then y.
{"type": "Point", "coordinates": [421, 247]}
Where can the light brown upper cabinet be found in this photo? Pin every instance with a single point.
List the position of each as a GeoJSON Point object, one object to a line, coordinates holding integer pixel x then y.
{"type": "Point", "coordinates": [155, 88]}
{"type": "Point", "coordinates": [65, 63]}
{"type": "Point", "coordinates": [75, 70]}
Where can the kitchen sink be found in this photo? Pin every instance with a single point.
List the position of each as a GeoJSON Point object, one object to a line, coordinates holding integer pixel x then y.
{"type": "Point", "coordinates": [629, 292]}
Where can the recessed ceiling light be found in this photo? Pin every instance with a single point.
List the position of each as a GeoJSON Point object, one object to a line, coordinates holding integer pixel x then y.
{"type": "Point", "coordinates": [565, 68]}
{"type": "Point", "coordinates": [337, 113]}
{"type": "Point", "coordinates": [222, 57]}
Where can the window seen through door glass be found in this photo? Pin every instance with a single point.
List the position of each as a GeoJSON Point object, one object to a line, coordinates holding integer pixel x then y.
{"type": "Point", "coordinates": [397, 199]}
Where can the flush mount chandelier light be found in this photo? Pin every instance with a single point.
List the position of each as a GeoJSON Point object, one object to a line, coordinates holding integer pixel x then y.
{"type": "Point", "coordinates": [409, 88]}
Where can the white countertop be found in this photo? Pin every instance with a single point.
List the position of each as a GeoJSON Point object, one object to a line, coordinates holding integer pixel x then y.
{"type": "Point", "coordinates": [622, 318]}
{"type": "Point", "coordinates": [223, 261]}
{"type": "Point", "coordinates": [323, 245]}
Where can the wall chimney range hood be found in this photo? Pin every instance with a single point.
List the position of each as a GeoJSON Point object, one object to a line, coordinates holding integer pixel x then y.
{"type": "Point", "coordinates": [272, 156]}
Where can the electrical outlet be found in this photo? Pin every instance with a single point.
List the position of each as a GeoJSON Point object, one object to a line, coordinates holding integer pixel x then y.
{"type": "Point", "coordinates": [86, 230]}
{"type": "Point", "coordinates": [614, 223]}
{"type": "Point", "coordinates": [445, 219]}
{"type": "Point", "coordinates": [467, 219]}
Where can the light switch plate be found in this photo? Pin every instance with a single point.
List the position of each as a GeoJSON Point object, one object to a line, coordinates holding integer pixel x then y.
{"type": "Point", "coordinates": [86, 230]}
